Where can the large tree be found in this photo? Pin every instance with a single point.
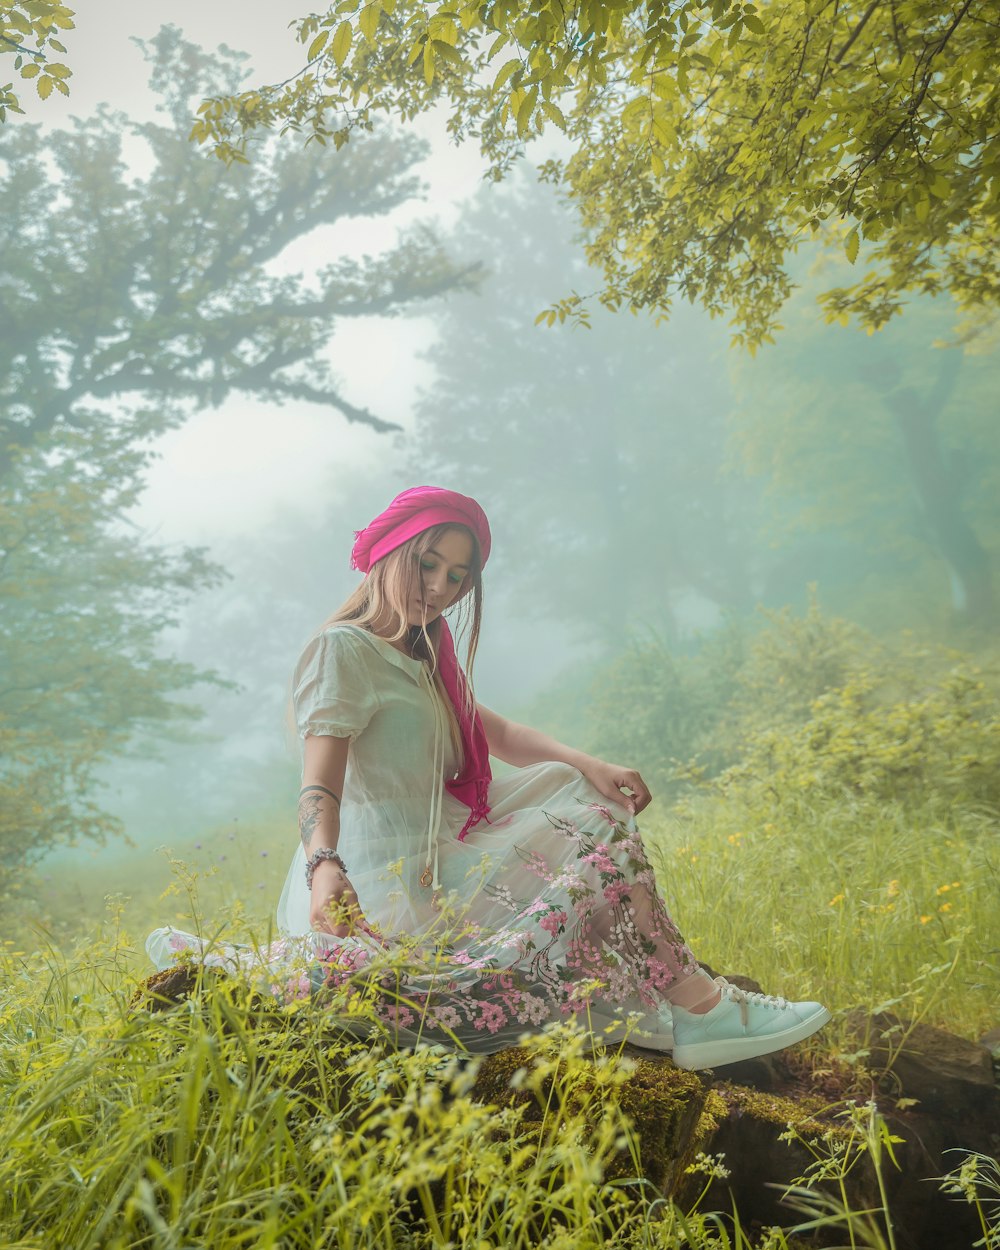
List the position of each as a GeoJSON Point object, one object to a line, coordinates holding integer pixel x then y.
{"type": "Point", "coordinates": [161, 290]}
{"type": "Point", "coordinates": [889, 445]}
{"type": "Point", "coordinates": [129, 300]}
{"type": "Point", "coordinates": [706, 139]}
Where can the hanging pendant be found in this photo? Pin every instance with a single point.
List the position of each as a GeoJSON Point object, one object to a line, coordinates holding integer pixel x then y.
{"type": "Point", "coordinates": [427, 877]}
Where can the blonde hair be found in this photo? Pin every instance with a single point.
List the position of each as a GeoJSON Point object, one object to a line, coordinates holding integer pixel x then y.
{"type": "Point", "coordinates": [383, 598]}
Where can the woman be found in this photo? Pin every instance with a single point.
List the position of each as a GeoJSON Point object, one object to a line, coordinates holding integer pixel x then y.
{"type": "Point", "coordinates": [514, 900]}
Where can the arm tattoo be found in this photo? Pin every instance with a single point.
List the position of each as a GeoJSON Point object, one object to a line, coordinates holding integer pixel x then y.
{"type": "Point", "coordinates": [310, 813]}
{"type": "Point", "coordinates": [325, 791]}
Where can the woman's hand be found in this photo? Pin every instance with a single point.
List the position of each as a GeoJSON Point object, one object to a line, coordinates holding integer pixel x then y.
{"type": "Point", "coordinates": [611, 780]}
{"type": "Point", "coordinates": [334, 905]}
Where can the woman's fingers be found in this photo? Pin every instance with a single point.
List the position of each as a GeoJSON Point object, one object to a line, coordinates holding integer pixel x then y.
{"type": "Point", "coordinates": [641, 791]}
{"type": "Point", "coordinates": [637, 796]}
{"type": "Point", "coordinates": [339, 913]}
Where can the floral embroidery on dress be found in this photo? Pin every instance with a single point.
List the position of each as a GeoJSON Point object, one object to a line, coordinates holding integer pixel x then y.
{"type": "Point", "coordinates": [595, 931]}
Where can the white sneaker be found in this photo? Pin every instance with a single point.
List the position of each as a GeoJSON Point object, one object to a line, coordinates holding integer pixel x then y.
{"type": "Point", "coordinates": [741, 1025]}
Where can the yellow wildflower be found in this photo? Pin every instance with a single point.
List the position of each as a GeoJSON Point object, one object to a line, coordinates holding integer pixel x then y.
{"type": "Point", "coordinates": [945, 907]}
{"type": "Point", "coordinates": [892, 889]}
{"type": "Point", "coordinates": [837, 898]}
{"type": "Point", "coordinates": [926, 919]}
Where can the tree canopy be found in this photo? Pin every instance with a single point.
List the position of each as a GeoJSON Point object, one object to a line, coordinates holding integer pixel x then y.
{"type": "Point", "coordinates": [129, 300]}
{"type": "Point", "coordinates": [705, 140]}
{"type": "Point", "coordinates": [28, 30]}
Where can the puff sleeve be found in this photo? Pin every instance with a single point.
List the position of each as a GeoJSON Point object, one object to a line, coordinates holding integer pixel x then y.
{"type": "Point", "coordinates": [332, 689]}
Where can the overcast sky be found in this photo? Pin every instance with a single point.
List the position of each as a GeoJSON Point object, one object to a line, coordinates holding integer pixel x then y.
{"type": "Point", "coordinates": [224, 471]}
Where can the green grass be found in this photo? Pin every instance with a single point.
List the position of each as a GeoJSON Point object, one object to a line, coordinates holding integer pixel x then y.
{"type": "Point", "coordinates": [232, 872]}
{"type": "Point", "coordinates": [197, 1127]}
{"type": "Point", "coordinates": [849, 903]}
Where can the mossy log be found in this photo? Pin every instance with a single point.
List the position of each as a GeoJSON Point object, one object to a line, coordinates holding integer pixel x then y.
{"type": "Point", "coordinates": [678, 1115]}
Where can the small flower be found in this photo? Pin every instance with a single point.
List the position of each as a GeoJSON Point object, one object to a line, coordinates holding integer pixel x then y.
{"type": "Point", "coordinates": [945, 907]}
{"type": "Point", "coordinates": [837, 898]}
{"type": "Point", "coordinates": [926, 919]}
{"type": "Point", "coordinates": [553, 922]}
{"type": "Point", "coordinates": [892, 889]}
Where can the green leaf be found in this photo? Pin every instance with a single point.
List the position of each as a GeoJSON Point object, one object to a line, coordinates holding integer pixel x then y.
{"type": "Point", "coordinates": [506, 71]}
{"type": "Point", "coordinates": [45, 86]}
{"type": "Point", "coordinates": [415, 52]}
{"type": "Point", "coordinates": [851, 244]}
{"type": "Point", "coordinates": [525, 110]}
{"type": "Point", "coordinates": [368, 20]}
{"type": "Point", "coordinates": [341, 45]}
{"type": "Point", "coordinates": [428, 62]}
{"type": "Point", "coordinates": [442, 27]}
{"type": "Point", "coordinates": [554, 113]}
{"type": "Point", "coordinates": [940, 187]}
{"type": "Point", "coordinates": [317, 45]}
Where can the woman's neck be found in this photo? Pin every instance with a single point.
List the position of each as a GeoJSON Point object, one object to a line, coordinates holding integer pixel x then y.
{"type": "Point", "coordinates": [404, 644]}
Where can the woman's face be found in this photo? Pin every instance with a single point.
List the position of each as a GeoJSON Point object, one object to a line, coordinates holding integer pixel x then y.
{"type": "Point", "coordinates": [443, 573]}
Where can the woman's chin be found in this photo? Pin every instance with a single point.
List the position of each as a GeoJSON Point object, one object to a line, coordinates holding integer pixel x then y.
{"type": "Point", "coordinates": [419, 617]}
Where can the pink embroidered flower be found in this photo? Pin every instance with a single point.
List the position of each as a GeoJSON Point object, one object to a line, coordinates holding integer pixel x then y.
{"type": "Point", "coordinates": [398, 1015]}
{"type": "Point", "coordinates": [466, 960]}
{"type": "Point", "coordinates": [538, 865]}
{"type": "Point", "coordinates": [568, 828]}
{"type": "Point", "coordinates": [532, 1010]}
{"type": "Point", "coordinates": [297, 988]}
{"type": "Point", "coordinates": [603, 811]}
{"type": "Point", "coordinates": [534, 907]}
{"type": "Point", "coordinates": [492, 1018]}
{"type": "Point", "coordinates": [615, 891]}
{"type": "Point", "coordinates": [553, 922]}
{"type": "Point", "coordinates": [660, 977]}
{"type": "Point", "coordinates": [445, 1017]}
{"type": "Point", "coordinates": [601, 860]}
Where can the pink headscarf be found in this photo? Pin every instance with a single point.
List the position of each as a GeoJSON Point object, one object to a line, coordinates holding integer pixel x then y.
{"type": "Point", "coordinates": [409, 514]}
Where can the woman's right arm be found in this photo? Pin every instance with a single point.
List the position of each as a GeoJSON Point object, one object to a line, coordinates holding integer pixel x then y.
{"type": "Point", "coordinates": [334, 906]}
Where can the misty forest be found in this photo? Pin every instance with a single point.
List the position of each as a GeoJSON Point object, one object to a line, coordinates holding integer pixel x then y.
{"type": "Point", "coordinates": [713, 336]}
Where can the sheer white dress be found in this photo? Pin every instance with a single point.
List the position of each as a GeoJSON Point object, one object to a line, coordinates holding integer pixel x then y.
{"type": "Point", "coordinates": [547, 908]}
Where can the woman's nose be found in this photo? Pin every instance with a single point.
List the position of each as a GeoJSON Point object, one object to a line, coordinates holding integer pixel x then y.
{"type": "Point", "coordinates": [434, 582]}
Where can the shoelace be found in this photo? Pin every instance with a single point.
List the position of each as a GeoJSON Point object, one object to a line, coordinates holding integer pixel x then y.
{"type": "Point", "coordinates": [749, 998]}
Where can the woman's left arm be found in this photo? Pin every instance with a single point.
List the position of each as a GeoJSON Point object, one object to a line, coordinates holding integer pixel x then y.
{"type": "Point", "coordinates": [520, 745]}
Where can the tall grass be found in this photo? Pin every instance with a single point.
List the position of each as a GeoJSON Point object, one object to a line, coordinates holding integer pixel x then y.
{"type": "Point", "coordinates": [230, 1122]}
{"type": "Point", "coordinates": [847, 902]}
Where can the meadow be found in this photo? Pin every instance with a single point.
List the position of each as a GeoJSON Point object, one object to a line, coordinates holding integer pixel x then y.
{"type": "Point", "coordinates": [196, 1127]}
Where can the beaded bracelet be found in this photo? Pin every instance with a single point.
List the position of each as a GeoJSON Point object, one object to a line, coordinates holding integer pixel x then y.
{"type": "Point", "coordinates": [324, 852]}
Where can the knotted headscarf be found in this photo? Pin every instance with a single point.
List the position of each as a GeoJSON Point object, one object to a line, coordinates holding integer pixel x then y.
{"type": "Point", "coordinates": [409, 514]}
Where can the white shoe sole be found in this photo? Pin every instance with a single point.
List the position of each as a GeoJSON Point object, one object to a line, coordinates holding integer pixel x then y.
{"type": "Point", "coordinates": [720, 1051]}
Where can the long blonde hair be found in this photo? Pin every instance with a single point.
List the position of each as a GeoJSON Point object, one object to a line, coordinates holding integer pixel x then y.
{"type": "Point", "coordinates": [385, 595]}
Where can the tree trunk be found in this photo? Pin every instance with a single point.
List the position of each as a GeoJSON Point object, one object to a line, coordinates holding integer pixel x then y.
{"type": "Point", "coordinates": [937, 478]}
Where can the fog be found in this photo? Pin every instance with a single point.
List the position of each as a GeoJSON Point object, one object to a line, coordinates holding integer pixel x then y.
{"type": "Point", "coordinates": [641, 480]}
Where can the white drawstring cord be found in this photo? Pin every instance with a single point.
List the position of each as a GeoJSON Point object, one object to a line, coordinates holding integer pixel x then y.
{"type": "Point", "coordinates": [429, 877]}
